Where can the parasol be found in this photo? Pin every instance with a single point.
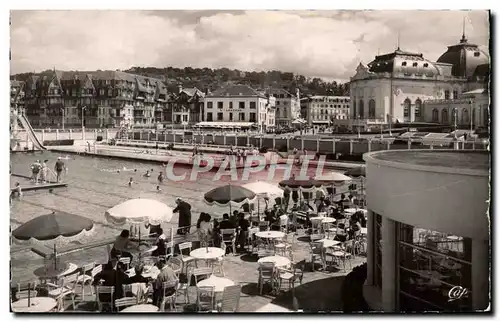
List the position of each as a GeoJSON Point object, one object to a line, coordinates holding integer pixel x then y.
{"type": "Point", "coordinates": [357, 172]}
{"type": "Point", "coordinates": [262, 188]}
{"type": "Point", "coordinates": [139, 211]}
{"type": "Point", "coordinates": [229, 195]}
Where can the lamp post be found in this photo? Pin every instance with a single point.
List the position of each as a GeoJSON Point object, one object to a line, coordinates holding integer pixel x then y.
{"type": "Point", "coordinates": [359, 134]}
{"type": "Point", "coordinates": [470, 116]}
{"type": "Point", "coordinates": [382, 126]}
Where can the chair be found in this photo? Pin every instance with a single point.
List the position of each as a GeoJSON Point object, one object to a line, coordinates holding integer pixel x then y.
{"type": "Point", "coordinates": [340, 254]}
{"type": "Point", "coordinates": [125, 261]}
{"type": "Point", "coordinates": [230, 299]}
{"type": "Point", "coordinates": [316, 252]}
{"type": "Point", "coordinates": [110, 290]}
{"type": "Point", "coordinates": [228, 236]}
{"type": "Point", "coordinates": [264, 226]}
{"type": "Point", "coordinates": [84, 278]}
{"type": "Point", "coordinates": [64, 289]}
{"type": "Point", "coordinates": [315, 237]}
{"type": "Point", "coordinates": [170, 299]}
{"type": "Point", "coordinates": [218, 263]}
{"type": "Point", "coordinates": [183, 288]}
{"type": "Point", "coordinates": [266, 274]}
{"type": "Point", "coordinates": [23, 294]}
{"type": "Point", "coordinates": [205, 298]}
{"type": "Point", "coordinates": [291, 275]}
{"type": "Point", "coordinates": [251, 238]}
{"type": "Point", "coordinates": [201, 273]}
{"type": "Point", "coordinates": [285, 245]}
{"type": "Point", "coordinates": [176, 264]}
{"type": "Point", "coordinates": [186, 259]}
{"type": "Point", "coordinates": [124, 302]}
{"type": "Point", "coordinates": [127, 289]}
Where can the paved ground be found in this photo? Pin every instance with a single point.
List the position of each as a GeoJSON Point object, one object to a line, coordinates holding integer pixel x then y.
{"type": "Point", "coordinates": [320, 291]}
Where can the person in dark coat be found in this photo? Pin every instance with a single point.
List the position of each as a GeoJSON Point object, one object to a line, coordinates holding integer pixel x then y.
{"type": "Point", "coordinates": [184, 210]}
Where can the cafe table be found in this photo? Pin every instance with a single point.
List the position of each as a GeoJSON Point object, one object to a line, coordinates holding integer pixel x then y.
{"type": "Point", "coordinates": [271, 234]}
{"type": "Point", "coordinates": [141, 308]}
{"type": "Point", "coordinates": [218, 283]}
{"type": "Point", "coordinates": [207, 253]}
{"type": "Point", "coordinates": [37, 305]}
{"type": "Point", "coordinates": [279, 261]}
{"type": "Point", "coordinates": [51, 274]}
{"type": "Point", "coordinates": [328, 242]}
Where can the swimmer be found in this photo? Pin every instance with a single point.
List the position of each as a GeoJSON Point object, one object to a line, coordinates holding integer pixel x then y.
{"type": "Point", "coordinates": [135, 170]}
{"type": "Point", "coordinates": [160, 177]}
{"type": "Point", "coordinates": [158, 189]}
{"type": "Point", "coordinates": [130, 182]}
{"type": "Point", "coordinates": [117, 171]}
{"type": "Point", "coordinates": [17, 191]}
{"type": "Point", "coordinates": [147, 174]}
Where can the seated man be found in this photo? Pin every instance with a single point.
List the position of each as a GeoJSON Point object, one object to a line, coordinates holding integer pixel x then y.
{"type": "Point", "coordinates": [138, 278]}
{"type": "Point", "coordinates": [112, 275]}
{"type": "Point", "coordinates": [167, 274]}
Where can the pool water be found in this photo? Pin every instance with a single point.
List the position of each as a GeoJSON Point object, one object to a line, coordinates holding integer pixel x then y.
{"type": "Point", "coordinates": [94, 185]}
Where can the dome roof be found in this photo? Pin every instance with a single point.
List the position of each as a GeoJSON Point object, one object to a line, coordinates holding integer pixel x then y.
{"type": "Point", "coordinates": [464, 58]}
{"type": "Point", "coordinates": [403, 62]}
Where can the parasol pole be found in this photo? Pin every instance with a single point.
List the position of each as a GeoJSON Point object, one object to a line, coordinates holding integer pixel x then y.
{"type": "Point", "coordinates": [230, 199]}
{"type": "Point", "coordinates": [55, 257]}
{"type": "Point", "coordinates": [29, 294]}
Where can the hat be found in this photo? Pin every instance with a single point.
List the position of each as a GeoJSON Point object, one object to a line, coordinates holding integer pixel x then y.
{"type": "Point", "coordinates": [178, 200]}
{"type": "Point", "coordinates": [59, 158]}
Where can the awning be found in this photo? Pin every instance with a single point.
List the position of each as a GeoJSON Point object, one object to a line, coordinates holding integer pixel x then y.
{"type": "Point", "coordinates": [225, 124]}
{"type": "Point", "coordinates": [321, 122]}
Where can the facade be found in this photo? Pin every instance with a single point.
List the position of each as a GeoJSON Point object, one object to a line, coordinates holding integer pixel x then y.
{"type": "Point", "coordinates": [428, 230]}
{"type": "Point", "coordinates": [326, 110]}
{"type": "Point", "coordinates": [94, 99]}
{"type": "Point", "coordinates": [287, 106]}
{"type": "Point", "coordinates": [185, 106]}
{"type": "Point", "coordinates": [395, 87]}
{"type": "Point", "coordinates": [240, 104]}
{"type": "Point", "coordinates": [17, 95]}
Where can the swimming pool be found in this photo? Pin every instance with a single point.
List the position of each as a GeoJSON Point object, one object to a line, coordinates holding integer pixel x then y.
{"type": "Point", "coordinates": [95, 184]}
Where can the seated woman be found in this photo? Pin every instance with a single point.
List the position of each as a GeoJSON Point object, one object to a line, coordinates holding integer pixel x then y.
{"type": "Point", "coordinates": [204, 227]}
{"type": "Point", "coordinates": [243, 225]}
{"type": "Point", "coordinates": [123, 244]}
{"type": "Point", "coordinates": [167, 274]}
{"type": "Point", "coordinates": [160, 243]}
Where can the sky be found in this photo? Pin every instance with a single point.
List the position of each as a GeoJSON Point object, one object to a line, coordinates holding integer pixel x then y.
{"type": "Point", "coordinates": [326, 44]}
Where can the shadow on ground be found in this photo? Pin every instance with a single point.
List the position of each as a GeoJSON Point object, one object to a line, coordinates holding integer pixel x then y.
{"type": "Point", "coordinates": [317, 296]}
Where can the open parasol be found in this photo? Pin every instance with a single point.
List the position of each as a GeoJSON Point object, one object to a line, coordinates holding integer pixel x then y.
{"type": "Point", "coordinates": [229, 196]}
{"type": "Point", "coordinates": [139, 211]}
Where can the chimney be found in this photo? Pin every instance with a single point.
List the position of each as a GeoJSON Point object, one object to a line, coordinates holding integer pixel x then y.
{"type": "Point", "coordinates": [179, 88]}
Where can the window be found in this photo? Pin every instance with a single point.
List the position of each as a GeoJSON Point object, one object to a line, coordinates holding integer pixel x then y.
{"type": "Point", "coordinates": [447, 95]}
{"type": "Point", "coordinates": [220, 105]}
{"type": "Point", "coordinates": [455, 94]}
{"type": "Point", "coordinates": [230, 116]}
{"type": "Point", "coordinates": [354, 108]}
{"type": "Point", "coordinates": [465, 116]}
{"type": "Point", "coordinates": [418, 107]}
{"type": "Point", "coordinates": [422, 250]}
{"type": "Point", "coordinates": [277, 102]}
{"type": "Point", "coordinates": [477, 54]}
{"type": "Point", "coordinates": [210, 104]}
{"type": "Point", "coordinates": [371, 109]}
{"type": "Point", "coordinates": [407, 107]}
{"type": "Point", "coordinates": [486, 117]}
{"type": "Point", "coordinates": [474, 116]}
{"type": "Point", "coordinates": [242, 105]}
{"type": "Point", "coordinates": [242, 116]}
{"type": "Point", "coordinates": [415, 64]}
{"type": "Point", "coordinates": [253, 117]}
{"type": "Point", "coordinates": [361, 109]}
{"type": "Point", "coordinates": [444, 116]}
{"type": "Point", "coordinates": [210, 117]}
{"type": "Point", "coordinates": [284, 113]}
{"type": "Point", "coordinates": [377, 276]}
{"type": "Point", "coordinates": [230, 104]}
{"type": "Point", "coordinates": [184, 118]}
{"type": "Point", "coordinates": [403, 63]}
{"type": "Point", "coordinates": [219, 117]}
{"type": "Point", "coordinates": [426, 65]}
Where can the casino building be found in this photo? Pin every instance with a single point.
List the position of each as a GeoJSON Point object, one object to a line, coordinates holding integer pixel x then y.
{"type": "Point", "coordinates": [405, 87]}
{"type": "Point", "coordinates": [428, 230]}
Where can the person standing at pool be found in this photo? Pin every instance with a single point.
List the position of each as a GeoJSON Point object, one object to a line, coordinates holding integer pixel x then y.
{"type": "Point", "coordinates": [160, 178]}
{"type": "Point", "coordinates": [44, 171]}
{"type": "Point", "coordinates": [147, 174]}
{"type": "Point", "coordinates": [35, 171]}
{"type": "Point", "coordinates": [184, 210]}
{"type": "Point", "coordinates": [59, 167]}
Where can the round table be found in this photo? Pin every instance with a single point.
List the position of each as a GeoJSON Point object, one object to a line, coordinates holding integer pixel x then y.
{"type": "Point", "coordinates": [42, 273]}
{"type": "Point", "coordinates": [218, 283]}
{"type": "Point", "coordinates": [328, 242]}
{"type": "Point", "coordinates": [202, 254]}
{"type": "Point", "coordinates": [279, 261]}
{"type": "Point", "coordinates": [351, 210]}
{"type": "Point", "coordinates": [141, 308]}
{"type": "Point", "coordinates": [364, 231]}
{"type": "Point", "coordinates": [328, 220]}
{"type": "Point", "coordinates": [37, 304]}
{"type": "Point", "coordinates": [270, 234]}
{"type": "Point", "coordinates": [151, 272]}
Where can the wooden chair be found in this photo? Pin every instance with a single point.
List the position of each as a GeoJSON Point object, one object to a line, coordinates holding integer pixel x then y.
{"type": "Point", "coordinates": [22, 293]}
{"type": "Point", "coordinates": [285, 246]}
{"type": "Point", "coordinates": [218, 263]}
{"type": "Point", "coordinates": [125, 302]}
{"type": "Point", "coordinates": [65, 288]}
{"type": "Point", "coordinates": [85, 278]}
{"type": "Point", "coordinates": [186, 259]}
{"type": "Point", "coordinates": [264, 225]}
{"type": "Point", "coordinates": [230, 299]}
{"type": "Point", "coordinates": [340, 255]}
{"type": "Point", "coordinates": [228, 236]}
{"type": "Point", "coordinates": [316, 252]}
{"type": "Point", "coordinates": [127, 289]}
{"type": "Point", "coordinates": [170, 299]}
{"type": "Point", "coordinates": [125, 261]}
{"type": "Point", "coordinates": [201, 273]}
{"type": "Point", "coordinates": [291, 275]}
{"type": "Point", "coordinates": [183, 288]}
{"type": "Point", "coordinates": [266, 274]}
{"type": "Point", "coordinates": [109, 290]}
{"type": "Point", "coordinates": [176, 264]}
{"type": "Point", "coordinates": [150, 260]}
{"type": "Point", "coordinates": [205, 298]}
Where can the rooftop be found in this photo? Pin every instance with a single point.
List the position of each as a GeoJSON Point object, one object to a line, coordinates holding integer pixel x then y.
{"type": "Point", "coordinates": [472, 160]}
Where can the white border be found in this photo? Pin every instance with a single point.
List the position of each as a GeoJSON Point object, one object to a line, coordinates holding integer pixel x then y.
{"type": "Point", "coordinates": [186, 4]}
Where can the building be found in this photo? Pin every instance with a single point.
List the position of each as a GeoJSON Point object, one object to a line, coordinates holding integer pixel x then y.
{"type": "Point", "coordinates": [185, 106]}
{"type": "Point", "coordinates": [287, 106]}
{"type": "Point", "coordinates": [326, 110]}
{"type": "Point", "coordinates": [395, 87]}
{"type": "Point", "coordinates": [428, 230]}
{"type": "Point", "coordinates": [17, 95]}
{"type": "Point", "coordinates": [94, 99]}
{"type": "Point", "coordinates": [240, 104]}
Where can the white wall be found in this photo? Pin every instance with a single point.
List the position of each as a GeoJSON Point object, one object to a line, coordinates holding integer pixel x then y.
{"type": "Point", "coordinates": [454, 203]}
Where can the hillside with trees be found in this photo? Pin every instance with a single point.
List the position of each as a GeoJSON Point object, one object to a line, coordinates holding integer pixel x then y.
{"type": "Point", "coordinates": [211, 79]}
